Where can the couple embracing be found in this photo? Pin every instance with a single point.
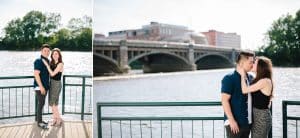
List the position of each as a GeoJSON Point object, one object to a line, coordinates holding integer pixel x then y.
{"type": "Point", "coordinates": [47, 77]}
{"type": "Point", "coordinates": [246, 100]}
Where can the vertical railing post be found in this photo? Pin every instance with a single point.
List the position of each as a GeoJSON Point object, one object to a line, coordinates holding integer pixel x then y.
{"type": "Point", "coordinates": [36, 103]}
{"type": "Point", "coordinates": [63, 96]}
{"type": "Point", "coordinates": [99, 119]}
{"type": "Point", "coordinates": [270, 133]}
{"type": "Point", "coordinates": [284, 119]}
{"type": "Point", "coordinates": [83, 98]}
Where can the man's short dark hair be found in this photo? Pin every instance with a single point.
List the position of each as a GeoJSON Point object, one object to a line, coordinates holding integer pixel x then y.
{"type": "Point", "coordinates": [244, 54]}
{"type": "Point", "coordinates": [45, 46]}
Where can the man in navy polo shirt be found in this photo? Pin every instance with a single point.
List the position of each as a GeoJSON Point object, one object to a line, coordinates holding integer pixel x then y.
{"type": "Point", "coordinates": [237, 106]}
{"type": "Point", "coordinates": [41, 83]}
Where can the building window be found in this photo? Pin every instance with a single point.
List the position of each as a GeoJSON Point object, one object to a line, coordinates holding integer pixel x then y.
{"type": "Point", "coordinates": [147, 32]}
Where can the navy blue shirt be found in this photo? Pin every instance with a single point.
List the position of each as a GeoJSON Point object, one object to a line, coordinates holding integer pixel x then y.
{"type": "Point", "coordinates": [44, 74]}
{"type": "Point", "coordinates": [231, 84]}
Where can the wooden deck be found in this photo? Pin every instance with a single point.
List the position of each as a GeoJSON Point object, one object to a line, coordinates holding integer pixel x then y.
{"type": "Point", "coordinates": [69, 129]}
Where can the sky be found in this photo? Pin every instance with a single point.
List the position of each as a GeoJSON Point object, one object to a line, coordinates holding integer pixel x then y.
{"type": "Point", "coordinates": [12, 9]}
{"type": "Point", "coordinates": [249, 18]}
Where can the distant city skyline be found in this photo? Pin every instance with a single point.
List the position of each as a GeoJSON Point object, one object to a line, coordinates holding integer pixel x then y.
{"type": "Point", "coordinates": [156, 31]}
{"type": "Point", "coordinates": [249, 19]}
{"type": "Point", "coordinates": [13, 9]}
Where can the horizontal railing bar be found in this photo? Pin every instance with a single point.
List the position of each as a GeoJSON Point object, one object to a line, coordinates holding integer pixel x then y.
{"type": "Point", "coordinates": [77, 113]}
{"type": "Point", "coordinates": [78, 76]}
{"type": "Point", "coordinates": [16, 77]}
{"type": "Point", "coordinates": [8, 117]}
{"type": "Point", "coordinates": [103, 104]}
{"type": "Point", "coordinates": [292, 118]}
{"type": "Point", "coordinates": [24, 86]}
{"type": "Point", "coordinates": [77, 85]}
{"type": "Point", "coordinates": [19, 116]}
{"type": "Point", "coordinates": [28, 77]}
{"type": "Point", "coordinates": [291, 102]}
{"type": "Point", "coordinates": [162, 118]}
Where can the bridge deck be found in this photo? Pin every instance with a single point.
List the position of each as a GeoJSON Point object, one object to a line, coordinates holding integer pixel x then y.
{"type": "Point", "coordinates": [72, 129]}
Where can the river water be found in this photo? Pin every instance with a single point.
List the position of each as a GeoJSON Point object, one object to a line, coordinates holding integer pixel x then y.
{"type": "Point", "coordinates": [21, 63]}
{"type": "Point", "coordinates": [186, 87]}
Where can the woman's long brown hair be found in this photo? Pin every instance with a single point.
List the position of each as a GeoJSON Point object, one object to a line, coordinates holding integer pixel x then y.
{"type": "Point", "coordinates": [59, 58]}
{"type": "Point", "coordinates": [264, 70]}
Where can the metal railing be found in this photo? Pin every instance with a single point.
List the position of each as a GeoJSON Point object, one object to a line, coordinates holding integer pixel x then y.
{"type": "Point", "coordinates": [286, 117]}
{"type": "Point", "coordinates": [78, 96]}
{"type": "Point", "coordinates": [137, 126]}
{"type": "Point", "coordinates": [18, 99]}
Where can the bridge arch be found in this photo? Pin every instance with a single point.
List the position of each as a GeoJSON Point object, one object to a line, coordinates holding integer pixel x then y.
{"type": "Point", "coordinates": [213, 60]}
{"type": "Point", "coordinates": [158, 61]}
{"type": "Point", "coordinates": [106, 58]}
{"type": "Point", "coordinates": [158, 52]}
{"type": "Point", "coordinates": [107, 66]}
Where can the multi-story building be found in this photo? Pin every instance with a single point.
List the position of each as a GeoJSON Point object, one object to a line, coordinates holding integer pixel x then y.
{"type": "Point", "coordinates": [99, 36]}
{"type": "Point", "coordinates": [223, 39]}
{"type": "Point", "coordinates": [160, 32]}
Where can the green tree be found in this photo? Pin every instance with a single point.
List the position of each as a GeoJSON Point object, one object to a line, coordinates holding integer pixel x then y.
{"type": "Point", "coordinates": [52, 23]}
{"type": "Point", "coordinates": [2, 46]}
{"type": "Point", "coordinates": [61, 39]}
{"type": "Point", "coordinates": [283, 45]}
{"type": "Point", "coordinates": [36, 28]}
{"type": "Point", "coordinates": [30, 31]}
{"type": "Point", "coordinates": [76, 24]}
{"type": "Point", "coordinates": [14, 34]}
{"type": "Point", "coordinates": [81, 30]}
{"type": "Point", "coordinates": [84, 39]}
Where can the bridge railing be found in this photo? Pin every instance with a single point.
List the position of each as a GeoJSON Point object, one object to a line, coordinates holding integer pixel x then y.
{"type": "Point", "coordinates": [154, 126]}
{"type": "Point", "coordinates": [290, 120]}
{"type": "Point", "coordinates": [18, 99]}
{"type": "Point", "coordinates": [146, 43]}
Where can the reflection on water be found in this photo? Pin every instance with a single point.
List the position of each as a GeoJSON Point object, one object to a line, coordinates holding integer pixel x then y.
{"type": "Point", "coordinates": [189, 86]}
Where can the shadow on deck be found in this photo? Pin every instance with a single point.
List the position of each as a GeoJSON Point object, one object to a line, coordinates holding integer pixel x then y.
{"type": "Point", "coordinates": [69, 129]}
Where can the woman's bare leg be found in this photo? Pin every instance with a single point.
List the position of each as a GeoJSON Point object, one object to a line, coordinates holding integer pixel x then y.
{"type": "Point", "coordinates": [54, 115]}
{"type": "Point", "coordinates": [57, 111]}
{"type": "Point", "coordinates": [59, 119]}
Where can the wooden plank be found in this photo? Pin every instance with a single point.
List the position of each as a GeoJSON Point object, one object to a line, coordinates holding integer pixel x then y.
{"type": "Point", "coordinates": [89, 129]}
{"type": "Point", "coordinates": [81, 129]}
{"type": "Point", "coordinates": [73, 129]}
{"type": "Point", "coordinates": [2, 131]}
{"type": "Point", "coordinates": [53, 131]}
{"type": "Point", "coordinates": [7, 132]}
{"type": "Point", "coordinates": [27, 130]}
{"type": "Point", "coordinates": [68, 132]}
{"type": "Point", "coordinates": [20, 131]}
